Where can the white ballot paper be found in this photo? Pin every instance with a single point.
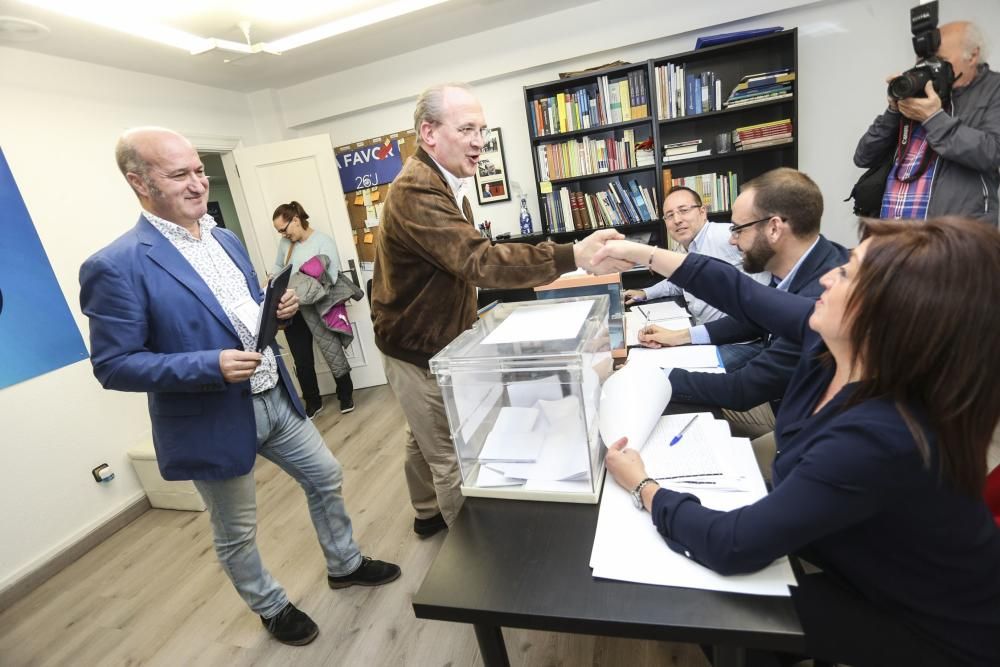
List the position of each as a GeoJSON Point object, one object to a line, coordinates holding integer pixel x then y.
{"type": "Point", "coordinates": [701, 358]}
{"type": "Point", "coordinates": [706, 462]}
{"type": "Point", "coordinates": [664, 310]}
{"type": "Point", "coordinates": [634, 322]}
{"type": "Point", "coordinates": [632, 400]}
{"type": "Point", "coordinates": [556, 321]}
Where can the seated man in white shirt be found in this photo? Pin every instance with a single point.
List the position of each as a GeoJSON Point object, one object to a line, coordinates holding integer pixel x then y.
{"type": "Point", "coordinates": [687, 224]}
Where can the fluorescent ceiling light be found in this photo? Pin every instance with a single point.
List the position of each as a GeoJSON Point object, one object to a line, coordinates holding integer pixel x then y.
{"type": "Point", "coordinates": [126, 18]}
{"type": "Point", "coordinates": [349, 23]}
{"type": "Point", "coordinates": [144, 19]}
{"type": "Point", "coordinates": [287, 11]}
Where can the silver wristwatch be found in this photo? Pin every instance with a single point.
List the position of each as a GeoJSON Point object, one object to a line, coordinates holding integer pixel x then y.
{"type": "Point", "coordinates": [637, 492]}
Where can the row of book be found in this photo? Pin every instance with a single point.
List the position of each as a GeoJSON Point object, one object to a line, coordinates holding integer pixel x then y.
{"type": "Point", "coordinates": [590, 155]}
{"type": "Point", "coordinates": [616, 205]}
{"type": "Point", "coordinates": [680, 94]}
{"type": "Point", "coordinates": [718, 191]}
{"type": "Point", "coordinates": [763, 134]}
{"type": "Point", "coordinates": [766, 86]}
{"type": "Point", "coordinates": [601, 103]}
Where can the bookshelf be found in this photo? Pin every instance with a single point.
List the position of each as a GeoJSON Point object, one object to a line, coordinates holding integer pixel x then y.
{"type": "Point", "coordinates": [582, 149]}
{"type": "Point", "coordinates": [588, 173]}
{"type": "Point", "coordinates": [729, 64]}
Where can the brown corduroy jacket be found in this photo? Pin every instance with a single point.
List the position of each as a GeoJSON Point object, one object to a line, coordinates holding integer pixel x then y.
{"type": "Point", "coordinates": [429, 259]}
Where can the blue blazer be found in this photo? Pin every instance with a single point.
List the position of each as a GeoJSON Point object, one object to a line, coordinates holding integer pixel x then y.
{"type": "Point", "coordinates": [156, 327]}
{"type": "Point", "coordinates": [765, 377]}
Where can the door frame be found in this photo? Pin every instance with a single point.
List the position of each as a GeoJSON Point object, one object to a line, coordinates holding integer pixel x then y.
{"type": "Point", "coordinates": [223, 145]}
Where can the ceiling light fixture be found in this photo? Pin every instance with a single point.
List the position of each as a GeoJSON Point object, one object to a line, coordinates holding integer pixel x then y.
{"type": "Point", "coordinates": [125, 17]}
{"type": "Point", "coordinates": [347, 24]}
{"type": "Point", "coordinates": [13, 29]}
{"type": "Point", "coordinates": [110, 15]}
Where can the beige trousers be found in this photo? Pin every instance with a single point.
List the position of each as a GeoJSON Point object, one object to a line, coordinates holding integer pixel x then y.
{"type": "Point", "coordinates": [758, 425]}
{"type": "Point", "coordinates": [431, 466]}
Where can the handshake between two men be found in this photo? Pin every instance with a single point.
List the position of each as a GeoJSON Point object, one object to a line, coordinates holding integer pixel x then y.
{"type": "Point", "coordinates": [607, 251]}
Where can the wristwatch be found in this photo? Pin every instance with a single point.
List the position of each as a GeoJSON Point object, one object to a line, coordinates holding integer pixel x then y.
{"type": "Point", "coordinates": [637, 492]}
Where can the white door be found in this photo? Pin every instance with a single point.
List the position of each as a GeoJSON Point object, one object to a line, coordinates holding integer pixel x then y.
{"type": "Point", "coordinates": [305, 170]}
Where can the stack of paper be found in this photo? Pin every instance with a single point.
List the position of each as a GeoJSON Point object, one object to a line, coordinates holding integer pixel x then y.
{"type": "Point", "coordinates": [635, 321]}
{"type": "Point", "coordinates": [700, 358]}
{"type": "Point", "coordinates": [707, 462]}
{"type": "Point", "coordinates": [542, 447]}
{"type": "Point", "coordinates": [665, 310]}
{"type": "Point", "coordinates": [557, 321]}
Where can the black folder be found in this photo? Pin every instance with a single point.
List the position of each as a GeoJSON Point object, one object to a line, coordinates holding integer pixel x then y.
{"type": "Point", "coordinates": [267, 326]}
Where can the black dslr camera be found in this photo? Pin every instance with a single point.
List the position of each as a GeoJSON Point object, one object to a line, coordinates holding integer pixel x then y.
{"type": "Point", "coordinates": [926, 41]}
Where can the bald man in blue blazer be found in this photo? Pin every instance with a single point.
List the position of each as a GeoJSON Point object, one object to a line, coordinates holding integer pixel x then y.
{"type": "Point", "coordinates": [173, 306]}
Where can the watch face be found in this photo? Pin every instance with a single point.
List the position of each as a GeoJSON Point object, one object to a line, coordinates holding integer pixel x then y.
{"type": "Point", "coordinates": [637, 499]}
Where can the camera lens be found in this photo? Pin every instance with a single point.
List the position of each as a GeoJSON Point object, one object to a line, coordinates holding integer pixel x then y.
{"type": "Point", "coordinates": [909, 84]}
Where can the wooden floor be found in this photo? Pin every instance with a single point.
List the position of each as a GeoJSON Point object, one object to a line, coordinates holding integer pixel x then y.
{"type": "Point", "coordinates": [153, 594]}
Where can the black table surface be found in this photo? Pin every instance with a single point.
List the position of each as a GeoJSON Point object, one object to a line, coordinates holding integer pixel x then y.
{"type": "Point", "coordinates": [525, 564]}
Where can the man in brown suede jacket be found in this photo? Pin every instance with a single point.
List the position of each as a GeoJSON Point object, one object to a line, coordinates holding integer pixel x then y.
{"type": "Point", "coordinates": [428, 262]}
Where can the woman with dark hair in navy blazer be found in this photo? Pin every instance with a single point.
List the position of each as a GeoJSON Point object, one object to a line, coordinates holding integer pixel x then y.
{"type": "Point", "coordinates": [882, 441]}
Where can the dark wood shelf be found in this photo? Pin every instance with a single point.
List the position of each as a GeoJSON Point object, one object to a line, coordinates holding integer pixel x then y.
{"type": "Point", "coordinates": [710, 52]}
{"type": "Point", "coordinates": [550, 138]}
{"type": "Point", "coordinates": [624, 229]}
{"type": "Point", "coordinates": [585, 78]}
{"type": "Point", "coordinates": [603, 174]}
{"type": "Point", "coordinates": [730, 155]}
{"type": "Point", "coordinates": [727, 63]}
{"type": "Point", "coordinates": [724, 112]}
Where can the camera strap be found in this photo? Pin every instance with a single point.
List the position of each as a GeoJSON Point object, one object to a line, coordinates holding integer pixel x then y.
{"type": "Point", "coordinates": [905, 135]}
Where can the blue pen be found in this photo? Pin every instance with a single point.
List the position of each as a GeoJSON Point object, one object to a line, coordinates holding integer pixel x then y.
{"type": "Point", "coordinates": [677, 438]}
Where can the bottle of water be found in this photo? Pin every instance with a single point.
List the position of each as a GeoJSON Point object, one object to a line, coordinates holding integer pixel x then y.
{"type": "Point", "coordinates": [525, 218]}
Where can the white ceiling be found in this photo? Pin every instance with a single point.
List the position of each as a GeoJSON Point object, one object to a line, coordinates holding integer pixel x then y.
{"type": "Point", "coordinates": [72, 38]}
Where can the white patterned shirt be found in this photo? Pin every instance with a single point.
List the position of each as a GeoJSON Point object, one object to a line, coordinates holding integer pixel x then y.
{"type": "Point", "coordinates": [225, 280]}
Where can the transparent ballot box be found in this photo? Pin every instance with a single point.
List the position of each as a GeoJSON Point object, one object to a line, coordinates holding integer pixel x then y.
{"type": "Point", "coordinates": [521, 391]}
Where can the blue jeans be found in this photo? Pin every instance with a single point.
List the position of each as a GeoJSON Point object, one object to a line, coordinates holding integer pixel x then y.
{"type": "Point", "coordinates": [736, 356]}
{"type": "Point", "coordinates": [294, 444]}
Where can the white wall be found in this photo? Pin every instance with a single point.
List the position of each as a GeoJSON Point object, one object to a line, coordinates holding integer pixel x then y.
{"type": "Point", "coordinates": [846, 49]}
{"type": "Point", "coordinates": [58, 123]}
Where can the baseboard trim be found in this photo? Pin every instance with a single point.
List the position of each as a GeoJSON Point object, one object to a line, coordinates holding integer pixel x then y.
{"type": "Point", "coordinates": [51, 567]}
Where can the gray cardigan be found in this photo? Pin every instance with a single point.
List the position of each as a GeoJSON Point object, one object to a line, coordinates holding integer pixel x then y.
{"type": "Point", "coordinates": [967, 139]}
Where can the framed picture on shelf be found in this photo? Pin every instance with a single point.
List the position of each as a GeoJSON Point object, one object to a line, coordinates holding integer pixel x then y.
{"type": "Point", "coordinates": [491, 172]}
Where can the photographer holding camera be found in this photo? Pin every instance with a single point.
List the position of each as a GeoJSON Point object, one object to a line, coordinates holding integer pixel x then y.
{"type": "Point", "coordinates": [941, 130]}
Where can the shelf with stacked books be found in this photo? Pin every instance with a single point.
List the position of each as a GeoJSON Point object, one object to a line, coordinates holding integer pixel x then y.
{"type": "Point", "coordinates": [729, 109]}
{"type": "Point", "coordinates": [606, 99]}
{"type": "Point", "coordinates": [593, 149]}
{"type": "Point", "coordinates": [612, 201]}
{"type": "Point", "coordinates": [606, 145]}
{"type": "Point", "coordinates": [611, 127]}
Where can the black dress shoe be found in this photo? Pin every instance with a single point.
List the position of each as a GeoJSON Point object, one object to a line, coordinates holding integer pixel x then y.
{"type": "Point", "coordinates": [371, 573]}
{"type": "Point", "coordinates": [291, 626]}
{"type": "Point", "coordinates": [427, 527]}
